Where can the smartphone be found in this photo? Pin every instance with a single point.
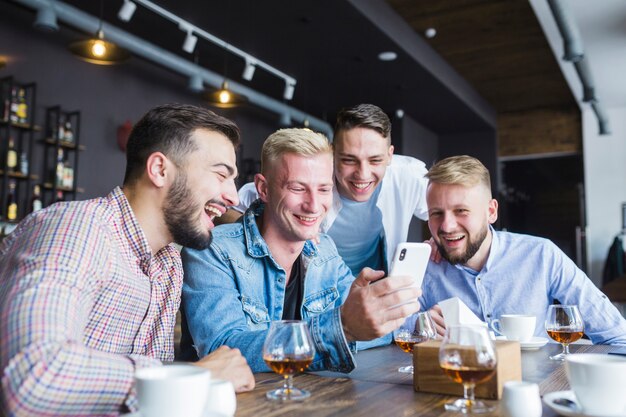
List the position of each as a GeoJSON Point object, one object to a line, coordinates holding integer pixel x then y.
{"type": "Point", "coordinates": [411, 258]}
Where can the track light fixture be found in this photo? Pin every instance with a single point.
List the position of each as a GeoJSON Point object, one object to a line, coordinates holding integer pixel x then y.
{"type": "Point", "coordinates": [126, 11]}
{"type": "Point", "coordinates": [248, 71]}
{"type": "Point", "coordinates": [290, 86]}
{"type": "Point", "coordinates": [190, 42]}
{"type": "Point", "coordinates": [46, 19]}
{"type": "Point", "coordinates": [195, 32]}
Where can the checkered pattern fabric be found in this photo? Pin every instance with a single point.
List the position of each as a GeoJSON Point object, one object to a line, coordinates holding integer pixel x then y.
{"type": "Point", "coordinates": [83, 303]}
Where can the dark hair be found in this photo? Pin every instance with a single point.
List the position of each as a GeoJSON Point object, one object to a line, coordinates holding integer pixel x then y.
{"type": "Point", "coordinates": [168, 129]}
{"type": "Point", "coordinates": [364, 115]}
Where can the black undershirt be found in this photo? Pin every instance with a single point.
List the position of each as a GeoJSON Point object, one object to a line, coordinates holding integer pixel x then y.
{"type": "Point", "coordinates": [294, 292]}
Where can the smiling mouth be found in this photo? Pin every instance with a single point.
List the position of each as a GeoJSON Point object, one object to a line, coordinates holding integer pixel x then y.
{"type": "Point", "coordinates": [212, 212]}
{"type": "Point", "coordinates": [361, 185]}
{"type": "Point", "coordinates": [452, 238]}
{"type": "Point", "coordinates": [306, 218]}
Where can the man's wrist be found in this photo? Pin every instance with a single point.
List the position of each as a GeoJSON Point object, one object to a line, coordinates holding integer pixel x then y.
{"type": "Point", "coordinates": [346, 332]}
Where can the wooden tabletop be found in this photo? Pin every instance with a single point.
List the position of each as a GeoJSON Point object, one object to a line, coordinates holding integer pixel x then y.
{"type": "Point", "coordinates": [377, 389]}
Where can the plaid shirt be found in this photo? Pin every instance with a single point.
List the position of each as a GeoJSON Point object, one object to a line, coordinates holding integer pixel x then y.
{"type": "Point", "coordinates": [83, 303]}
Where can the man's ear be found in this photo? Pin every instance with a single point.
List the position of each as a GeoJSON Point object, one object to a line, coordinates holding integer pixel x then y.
{"type": "Point", "coordinates": [390, 153]}
{"type": "Point", "coordinates": [493, 211]}
{"type": "Point", "coordinates": [158, 168]}
{"type": "Point", "coordinates": [262, 186]}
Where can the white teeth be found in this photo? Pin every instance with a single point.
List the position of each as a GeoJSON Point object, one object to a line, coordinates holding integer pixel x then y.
{"type": "Point", "coordinates": [306, 219]}
{"type": "Point", "coordinates": [212, 211]}
{"type": "Point", "coordinates": [361, 186]}
{"type": "Point", "coordinates": [453, 238]}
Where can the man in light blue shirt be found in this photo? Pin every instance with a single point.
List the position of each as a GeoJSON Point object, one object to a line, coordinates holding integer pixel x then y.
{"type": "Point", "coordinates": [497, 273]}
{"type": "Point", "coordinates": [269, 267]}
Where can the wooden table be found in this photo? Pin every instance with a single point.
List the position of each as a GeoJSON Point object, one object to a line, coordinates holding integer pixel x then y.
{"type": "Point", "coordinates": [377, 389]}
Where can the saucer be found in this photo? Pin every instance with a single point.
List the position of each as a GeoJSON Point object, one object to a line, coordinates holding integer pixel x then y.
{"type": "Point", "coordinates": [533, 344]}
{"type": "Point", "coordinates": [548, 399]}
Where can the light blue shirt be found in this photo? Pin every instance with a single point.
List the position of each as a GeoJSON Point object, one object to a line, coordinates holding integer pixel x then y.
{"type": "Point", "coordinates": [360, 246]}
{"type": "Point", "coordinates": [233, 290]}
{"type": "Point", "coordinates": [524, 275]}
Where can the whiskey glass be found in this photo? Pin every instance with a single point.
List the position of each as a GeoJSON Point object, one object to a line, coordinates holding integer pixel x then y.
{"type": "Point", "coordinates": [416, 329]}
{"type": "Point", "coordinates": [564, 325]}
{"type": "Point", "coordinates": [468, 356]}
{"type": "Point", "coordinates": [288, 350]}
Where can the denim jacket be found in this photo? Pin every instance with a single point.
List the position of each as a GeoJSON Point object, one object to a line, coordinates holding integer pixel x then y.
{"type": "Point", "coordinates": [235, 288]}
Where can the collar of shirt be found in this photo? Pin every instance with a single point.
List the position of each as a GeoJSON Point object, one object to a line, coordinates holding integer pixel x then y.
{"type": "Point", "coordinates": [132, 230]}
{"type": "Point", "coordinates": [255, 244]}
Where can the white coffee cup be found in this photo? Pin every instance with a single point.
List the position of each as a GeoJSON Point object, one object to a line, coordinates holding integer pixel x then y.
{"type": "Point", "coordinates": [520, 327]}
{"type": "Point", "coordinates": [599, 382]}
{"type": "Point", "coordinates": [521, 399]}
{"type": "Point", "coordinates": [222, 400]}
{"type": "Point", "coordinates": [172, 390]}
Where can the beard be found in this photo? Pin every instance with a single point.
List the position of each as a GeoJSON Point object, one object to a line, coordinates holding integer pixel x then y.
{"type": "Point", "coordinates": [178, 210]}
{"type": "Point", "coordinates": [472, 247]}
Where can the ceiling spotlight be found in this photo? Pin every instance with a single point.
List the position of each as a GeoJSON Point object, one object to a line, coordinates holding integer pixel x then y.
{"type": "Point", "coordinates": [248, 71]}
{"type": "Point", "coordinates": [190, 42]}
{"type": "Point", "coordinates": [399, 113]}
{"type": "Point", "coordinates": [99, 51]}
{"type": "Point", "coordinates": [46, 19]}
{"type": "Point", "coordinates": [195, 83]}
{"type": "Point", "coordinates": [290, 87]}
{"type": "Point", "coordinates": [430, 33]}
{"type": "Point", "coordinates": [225, 98]}
{"type": "Point", "coordinates": [387, 56]}
{"type": "Point", "coordinates": [126, 11]}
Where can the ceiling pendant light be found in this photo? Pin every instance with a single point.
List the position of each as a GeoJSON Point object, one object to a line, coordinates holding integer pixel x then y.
{"type": "Point", "coordinates": [225, 98]}
{"type": "Point", "coordinates": [98, 50]}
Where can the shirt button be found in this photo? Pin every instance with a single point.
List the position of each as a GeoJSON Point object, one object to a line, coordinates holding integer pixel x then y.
{"type": "Point", "coordinates": [488, 316]}
{"type": "Point", "coordinates": [280, 280]}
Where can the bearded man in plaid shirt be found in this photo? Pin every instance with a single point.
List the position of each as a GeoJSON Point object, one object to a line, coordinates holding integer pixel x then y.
{"type": "Point", "coordinates": [89, 290]}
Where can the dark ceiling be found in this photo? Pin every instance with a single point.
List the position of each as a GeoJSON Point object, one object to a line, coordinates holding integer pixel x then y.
{"type": "Point", "coordinates": [331, 48]}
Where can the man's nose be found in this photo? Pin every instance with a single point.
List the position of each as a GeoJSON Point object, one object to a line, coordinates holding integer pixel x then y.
{"type": "Point", "coordinates": [230, 196]}
{"type": "Point", "coordinates": [448, 223]}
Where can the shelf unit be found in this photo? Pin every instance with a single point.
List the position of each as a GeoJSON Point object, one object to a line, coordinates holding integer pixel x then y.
{"type": "Point", "coordinates": [56, 119]}
{"type": "Point", "coordinates": [21, 131]}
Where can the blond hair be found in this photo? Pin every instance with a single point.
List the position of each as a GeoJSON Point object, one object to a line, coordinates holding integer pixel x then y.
{"type": "Point", "coordinates": [302, 142]}
{"type": "Point", "coordinates": [460, 170]}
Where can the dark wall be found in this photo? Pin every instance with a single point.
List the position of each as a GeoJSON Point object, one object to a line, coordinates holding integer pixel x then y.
{"type": "Point", "coordinates": [107, 96]}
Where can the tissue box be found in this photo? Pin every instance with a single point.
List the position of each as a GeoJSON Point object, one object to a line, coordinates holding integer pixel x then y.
{"type": "Point", "coordinates": [429, 377]}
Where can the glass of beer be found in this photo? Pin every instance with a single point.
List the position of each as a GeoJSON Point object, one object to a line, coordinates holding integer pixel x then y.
{"type": "Point", "coordinates": [416, 329]}
{"type": "Point", "coordinates": [564, 325]}
{"type": "Point", "coordinates": [468, 356]}
{"type": "Point", "coordinates": [288, 350]}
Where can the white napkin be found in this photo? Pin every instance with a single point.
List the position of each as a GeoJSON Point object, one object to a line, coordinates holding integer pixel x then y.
{"type": "Point", "coordinates": [456, 312]}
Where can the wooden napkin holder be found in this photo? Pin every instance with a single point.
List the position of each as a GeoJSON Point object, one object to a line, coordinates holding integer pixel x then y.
{"type": "Point", "coordinates": [429, 377]}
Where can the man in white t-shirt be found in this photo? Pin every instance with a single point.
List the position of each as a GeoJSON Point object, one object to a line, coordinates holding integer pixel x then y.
{"type": "Point", "coordinates": [376, 194]}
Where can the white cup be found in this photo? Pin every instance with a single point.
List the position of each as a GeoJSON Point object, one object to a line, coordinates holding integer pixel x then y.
{"type": "Point", "coordinates": [172, 390]}
{"type": "Point", "coordinates": [222, 400]}
{"type": "Point", "coordinates": [599, 382]}
{"type": "Point", "coordinates": [521, 399]}
{"type": "Point", "coordinates": [520, 327]}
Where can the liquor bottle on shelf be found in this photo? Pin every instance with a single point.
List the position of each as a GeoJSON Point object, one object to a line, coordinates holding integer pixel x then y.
{"type": "Point", "coordinates": [11, 203]}
{"type": "Point", "coordinates": [22, 106]}
{"type": "Point", "coordinates": [6, 109]}
{"type": "Point", "coordinates": [13, 106]}
{"type": "Point", "coordinates": [60, 131]}
{"type": "Point", "coordinates": [68, 132]}
{"type": "Point", "coordinates": [68, 175]}
{"type": "Point", "coordinates": [11, 156]}
{"type": "Point", "coordinates": [24, 163]}
{"type": "Point", "coordinates": [59, 196]}
{"type": "Point", "coordinates": [35, 201]}
{"type": "Point", "coordinates": [60, 168]}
